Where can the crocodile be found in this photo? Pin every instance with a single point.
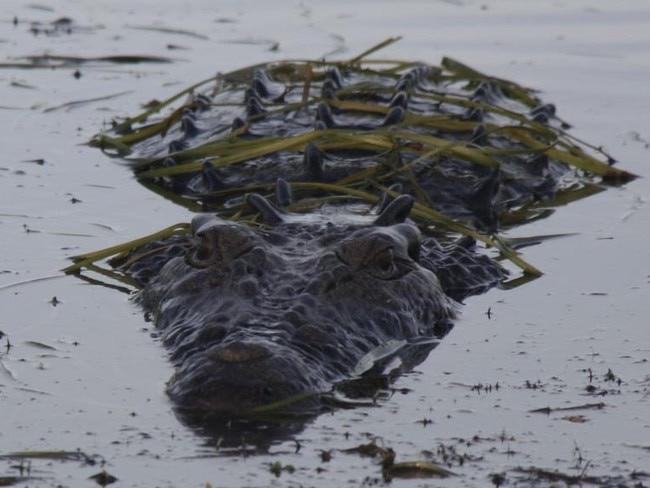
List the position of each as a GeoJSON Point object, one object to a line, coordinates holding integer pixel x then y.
{"type": "Point", "coordinates": [284, 313]}
{"type": "Point", "coordinates": [472, 148]}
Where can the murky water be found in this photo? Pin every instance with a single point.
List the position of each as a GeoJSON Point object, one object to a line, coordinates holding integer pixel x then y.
{"type": "Point", "coordinates": [85, 373]}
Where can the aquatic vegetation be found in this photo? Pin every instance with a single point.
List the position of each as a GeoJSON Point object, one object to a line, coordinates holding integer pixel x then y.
{"type": "Point", "coordinates": [479, 153]}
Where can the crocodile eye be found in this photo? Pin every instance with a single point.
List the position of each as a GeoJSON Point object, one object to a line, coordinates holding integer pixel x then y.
{"type": "Point", "coordinates": [202, 253]}
{"type": "Point", "coordinates": [267, 392]}
{"type": "Point", "coordinates": [382, 265]}
{"type": "Point", "coordinates": [378, 254]}
{"type": "Point", "coordinates": [389, 263]}
{"type": "Point", "coordinates": [217, 242]}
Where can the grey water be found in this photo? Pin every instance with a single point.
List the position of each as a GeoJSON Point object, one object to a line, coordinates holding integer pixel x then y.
{"type": "Point", "coordinates": [82, 371]}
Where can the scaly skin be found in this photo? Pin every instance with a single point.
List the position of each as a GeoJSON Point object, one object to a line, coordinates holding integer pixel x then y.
{"type": "Point", "coordinates": [258, 315]}
{"type": "Point", "coordinates": [268, 107]}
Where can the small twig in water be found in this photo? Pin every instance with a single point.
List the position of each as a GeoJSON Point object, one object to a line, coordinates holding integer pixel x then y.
{"type": "Point", "coordinates": [548, 410]}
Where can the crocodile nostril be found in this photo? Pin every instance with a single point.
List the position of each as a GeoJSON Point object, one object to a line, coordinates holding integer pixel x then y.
{"type": "Point", "coordinates": [267, 391]}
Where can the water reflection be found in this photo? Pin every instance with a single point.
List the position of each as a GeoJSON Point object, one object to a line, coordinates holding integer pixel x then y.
{"type": "Point", "coordinates": [256, 433]}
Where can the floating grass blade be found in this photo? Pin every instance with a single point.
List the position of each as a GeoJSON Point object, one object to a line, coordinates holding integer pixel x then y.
{"type": "Point", "coordinates": [281, 406]}
{"type": "Point", "coordinates": [513, 90]}
{"type": "Point", "coordinates": [416, 469]}
{"type": "Point", "coordinates": [85, 260]}
{"type": "Point", "coordinates": [130, 122]}
{"type": "Point", "coordinates": [514, 257]}
{"type": "Point", "coordinates": [374, 49]}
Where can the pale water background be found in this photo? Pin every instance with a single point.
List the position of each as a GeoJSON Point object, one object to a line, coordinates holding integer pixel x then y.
{"type": "Point", "coordinates": [100, 387]}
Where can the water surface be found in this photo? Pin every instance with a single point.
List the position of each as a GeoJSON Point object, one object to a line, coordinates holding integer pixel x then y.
{"type": "Point", "coordinates": [85, 373]}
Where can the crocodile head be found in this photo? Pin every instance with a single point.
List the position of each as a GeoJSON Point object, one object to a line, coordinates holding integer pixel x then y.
{"type": "Point", "coordinates": [275, 315]}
